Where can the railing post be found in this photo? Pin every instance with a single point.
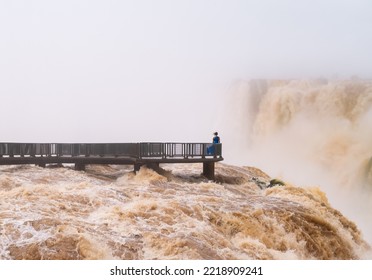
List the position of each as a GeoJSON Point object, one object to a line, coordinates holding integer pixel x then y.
{"type": "Point", "coordinates": [11, 150]}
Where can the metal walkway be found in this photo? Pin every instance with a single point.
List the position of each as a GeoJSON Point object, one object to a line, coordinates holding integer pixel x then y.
{"type": "Point", "coordinates": [138, 154]}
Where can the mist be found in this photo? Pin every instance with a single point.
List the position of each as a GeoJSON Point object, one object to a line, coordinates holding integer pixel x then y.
{"type": "Point", "coordinates": [142, 71]}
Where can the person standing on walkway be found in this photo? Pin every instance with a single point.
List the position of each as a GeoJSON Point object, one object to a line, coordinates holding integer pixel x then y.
{"type": "Point", "coordinates": [216, 138]}
{"type": "Point", "coordinates": [211, 148]}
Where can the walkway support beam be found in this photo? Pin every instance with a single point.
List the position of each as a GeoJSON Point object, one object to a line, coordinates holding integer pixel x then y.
{"type": "Point", "coordinates": [79, 166]}
{"type": "Point", "coordinates": [208, 170]}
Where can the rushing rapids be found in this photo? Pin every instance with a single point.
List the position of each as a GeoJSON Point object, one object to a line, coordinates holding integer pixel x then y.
{"type": "Point", "coordinates": [109, 212]}
{"type": "Point", "coordinates": [308, 133]}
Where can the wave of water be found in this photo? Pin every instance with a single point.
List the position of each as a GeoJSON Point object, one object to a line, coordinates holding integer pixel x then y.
{"type": "Point", "coordinates": [108, 212]}
{"type": "Point", "coordinates": [309, 132]}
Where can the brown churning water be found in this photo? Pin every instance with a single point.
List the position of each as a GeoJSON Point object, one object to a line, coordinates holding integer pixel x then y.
{"type": "Point", "coordinates": [309, 133]}
{"type": "Point", "coordinates": [108, 212]}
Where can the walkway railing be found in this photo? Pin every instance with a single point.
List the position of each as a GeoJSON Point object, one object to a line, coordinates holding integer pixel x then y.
{"type": "Point", "coordinates": [133, 150]}
{"type": "Point", "coordinates": [179, 150]}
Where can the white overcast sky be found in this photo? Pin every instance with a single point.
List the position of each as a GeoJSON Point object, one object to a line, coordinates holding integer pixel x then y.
{"type": "Point", "coordinates": [122, 71]}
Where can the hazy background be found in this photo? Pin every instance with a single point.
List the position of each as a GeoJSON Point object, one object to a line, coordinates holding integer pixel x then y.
{"type": "Point", "coordinates": [159, 70]}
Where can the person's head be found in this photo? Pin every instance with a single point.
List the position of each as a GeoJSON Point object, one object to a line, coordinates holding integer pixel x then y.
{"type": "Point", "coordinates": [216, 133]}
